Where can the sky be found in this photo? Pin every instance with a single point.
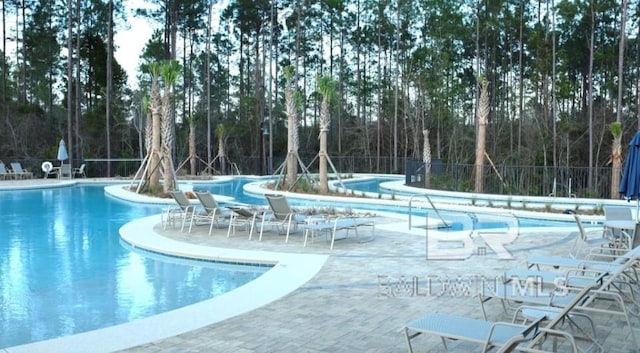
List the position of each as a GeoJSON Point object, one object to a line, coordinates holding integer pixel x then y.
{"type": "Point", "coordinates": [130, 38]}
{"type": "Point", "coordinates": [130, 41]}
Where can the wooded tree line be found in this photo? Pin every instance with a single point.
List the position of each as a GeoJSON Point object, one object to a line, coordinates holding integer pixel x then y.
{"type": "Point", "coordinates": [400, 67]}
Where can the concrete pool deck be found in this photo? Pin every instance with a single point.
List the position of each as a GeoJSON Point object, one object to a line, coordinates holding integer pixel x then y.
{"type": "Point", "coordinates": [349, 305]}
{"type": "Point", "coordinates": [360, 298]}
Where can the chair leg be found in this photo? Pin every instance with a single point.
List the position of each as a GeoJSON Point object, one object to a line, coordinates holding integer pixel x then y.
{"type": "Point", "coordinates": [286, 239]}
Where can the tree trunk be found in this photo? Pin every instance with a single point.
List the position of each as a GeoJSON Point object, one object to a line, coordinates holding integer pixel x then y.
{"type": "Point", "coordinates": [426, 158]}
{"type": "Point", "coordinates": [483, 114]}
{"type": "Point", "coordinates": [154, 158]}
{"type": "Point", "coordinates": [292, 131]}
{"type": "Point", "coordinates": [324, 128]}
{"type": "Point", "coordinates": [192, 146]}
{"type": "Point", "coordinates": [167, 141]}
{"type": "Point", "coordinates": [616, 147]}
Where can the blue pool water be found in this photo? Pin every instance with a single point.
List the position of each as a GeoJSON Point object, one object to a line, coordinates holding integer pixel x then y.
{"type": "Point", "coordinates": [63, 269]}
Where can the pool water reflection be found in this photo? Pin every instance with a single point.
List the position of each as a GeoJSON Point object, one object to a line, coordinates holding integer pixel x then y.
{"type": "Point", "coordinates": [63, 269]}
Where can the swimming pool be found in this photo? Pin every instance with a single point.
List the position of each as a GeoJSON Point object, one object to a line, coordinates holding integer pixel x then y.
{"type": "Point", "coordinates": [63, 269]}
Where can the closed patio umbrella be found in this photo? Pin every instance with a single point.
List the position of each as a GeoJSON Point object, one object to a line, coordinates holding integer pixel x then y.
{"type": "Point", "coordinates": [62, 152]}
{"type": "Point", "coordinates": [630, 182]}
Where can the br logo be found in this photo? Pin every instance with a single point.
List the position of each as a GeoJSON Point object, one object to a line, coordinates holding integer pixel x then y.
{"type": "Point", "coordinates": [463, 245]}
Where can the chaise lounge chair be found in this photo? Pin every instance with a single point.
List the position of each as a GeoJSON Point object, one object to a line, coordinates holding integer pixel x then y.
{"type": "Point", "coordinates": [184, 209]}
{"type": "Point", "coordinates": [4, 173]}
{"type": "Point", "coordinates": [212, 212]}
{"type": "Point", "coordinates": [611, 288]}
{"type": "Point", "coordinates": [20, 172]}
{"type": "Point", "coordinates": [494, 334]}
{"type": "Point", "coordinates": [330, 227]}
{"type": "Point", "coordinates": [281, 216]}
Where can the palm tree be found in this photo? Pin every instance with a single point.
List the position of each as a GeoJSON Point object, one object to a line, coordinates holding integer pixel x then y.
{"type": "Point", "coordinates": [221, 152]}
{"type": "Point", "coordinates": [326, 88]}
{"type": "Point", "coordinates": [616, 158]}
{"type": "Point", "coordinates": [483, 115]}
{"type": "Point", "coordinates": [153, 174]}
{"type": "Point", "coordinates": [426, 158]}
{"type": "Point", "coordinates": [169, 71]}
{"type": "Point", "coordinates": [192, 144]}
{"type": "Point", "coordinates": [292, 123]}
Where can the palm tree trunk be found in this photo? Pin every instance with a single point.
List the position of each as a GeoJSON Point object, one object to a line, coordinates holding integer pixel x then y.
{"type": "Point", "coordinates": [292, 133]}
{"type": "Point", "coordinates": [483, 114]}
{"type": "Point", "coordinates": [192, 146]}
{"type": "Point", "coordinates": [154, 158]}
{"type": "Point", "coordinates": [426, 158]}
{"type": "Point", "coordinates": [322, 167]}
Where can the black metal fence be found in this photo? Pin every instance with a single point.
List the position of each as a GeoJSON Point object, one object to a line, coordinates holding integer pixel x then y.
{"type": "Point", "coordinates": [501, 179]}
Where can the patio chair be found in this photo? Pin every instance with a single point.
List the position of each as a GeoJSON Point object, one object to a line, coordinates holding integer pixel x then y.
{"type": "Point", "coordinates": [243, 216]}
{"type": "Point", "coordinates": [212, 212]}
{"type": "Point", "coordinates": [64, 172]}
{"type": "Point", "coordinates": [314, 228]}
{"type": "Point", "coordinates": [4, 173]}
{"type": "Point", "coordinates": [20, 172]}
{"type": "Point", "coordinates": [184, 209]}
{"type": "Point", "coordinates": [593, 262]}
{"type": "Point", "coordinates": [494, 334]}
{"type": "Point", "coordinates": [80, 172]}
{"type": "Point", "coordinates": [599, 243]}
{"type": "Point", "coordinates": [619, 215]}
{"type": "Point", "coordinates": [281, 216]}
{"type": "Point", "coordinates": [608, 288]}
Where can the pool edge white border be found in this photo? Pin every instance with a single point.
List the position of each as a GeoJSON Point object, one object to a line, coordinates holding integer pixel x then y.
{"type": "Point", "coordinates": [290, 271]}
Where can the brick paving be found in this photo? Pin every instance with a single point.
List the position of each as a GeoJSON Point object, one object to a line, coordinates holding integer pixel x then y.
{"type": "Point", "coordinates": [357, 302]}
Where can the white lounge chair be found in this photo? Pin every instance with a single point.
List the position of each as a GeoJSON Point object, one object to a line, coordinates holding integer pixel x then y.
{"type": "Point", "coordinates": [314, 228]}
{"type": "Point", "coordinates": [4, 173]}
{"type": "Point", "coordinates": [183, 211]}
{"type": "Point", "coordinates": [212, 212]}
{"type": "Point", "coordinates": [281, 216]}
{"type": "Point", "coordinates": [594, 262]}
{"type": "Point", "coordinates": [243, 216]}
{"type": "Point", "coordinates": [493, 334]}
{"type": "Point", "coordinates": [20, 172]}
{"type": "Point", "coordinates": [608, 287]}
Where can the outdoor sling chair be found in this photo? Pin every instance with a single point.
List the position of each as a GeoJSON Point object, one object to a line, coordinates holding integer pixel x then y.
{"type": "Point", "coordinates": [617, 214]}
{"type": "Point", "coordinates": [525, 291]}
{"type": "Point", "coordinates": [243, 216]}
{"type": "Point", "coordinates": [4, 173]}
{"type": "Point", "coordinates": [316, 227]}
{"type": "Point", "coordinates": [20, 172]}
{"type": "Point", "coordinates": [182, 211]}
{"type": "Point", "coordinates": [212, 212]}
{"type": "Point", "coordinates": [494, 334]}
{"type": "Point", "coordinates": [600, 243]}
{"type": "Point", "coordinates": [593, 262]}
{"type": "Point", "coordinates": [64, 172]}
{"type": "Point", "coordinates": [281, 216]}
{"type": "Point", "coordinates": [80, 171]}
